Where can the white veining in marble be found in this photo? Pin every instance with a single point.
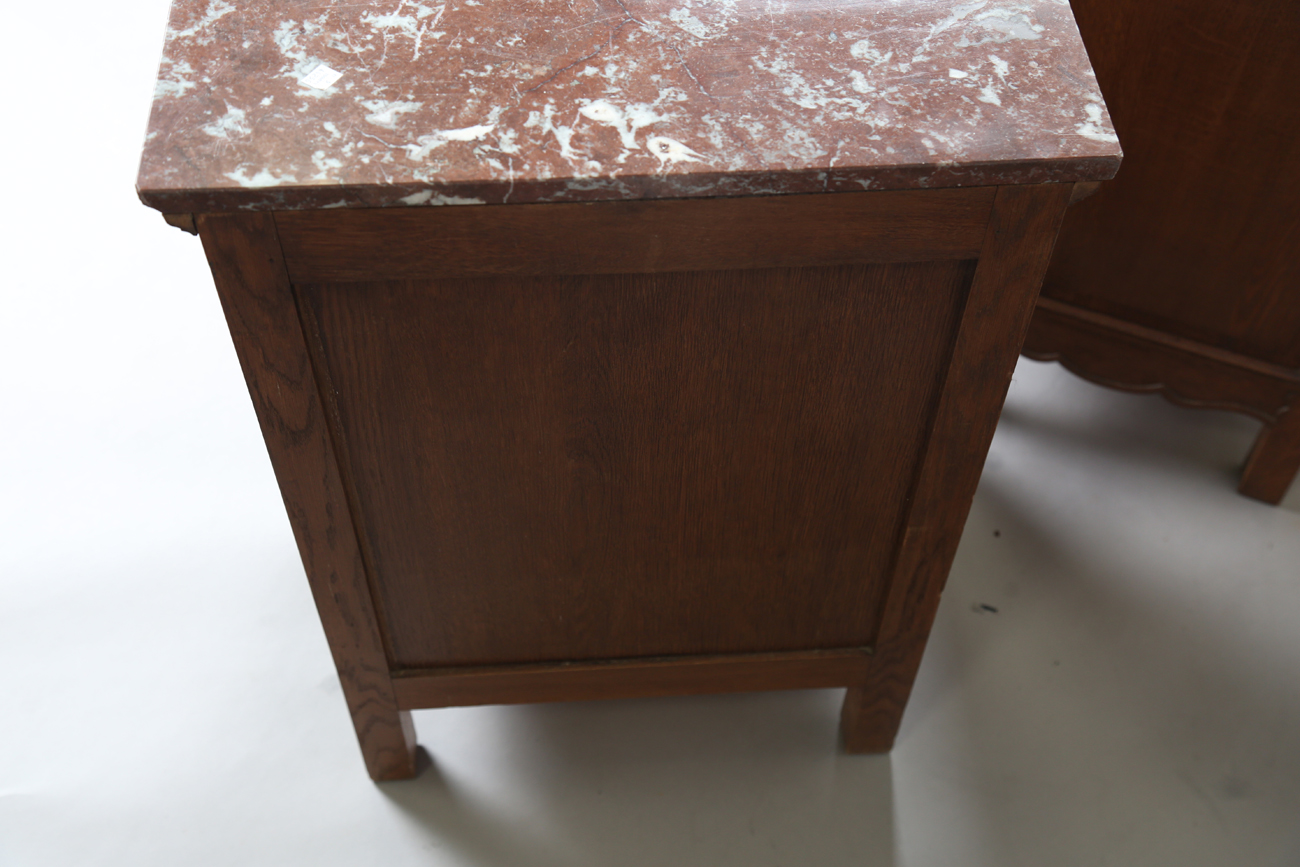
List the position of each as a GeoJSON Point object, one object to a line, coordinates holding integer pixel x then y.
{"type": "Point", "coordinates": [537, 100]}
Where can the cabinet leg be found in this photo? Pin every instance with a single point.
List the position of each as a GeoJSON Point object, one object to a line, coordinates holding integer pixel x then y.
{"type": "Point", "coordinates": [867, 724]}
{"type": "Point", "coordinates": [387, 743]}
{"type": "Point", "coordinates": [1274, 460]}
{"type": "Point", "coordinates": [873, 711]}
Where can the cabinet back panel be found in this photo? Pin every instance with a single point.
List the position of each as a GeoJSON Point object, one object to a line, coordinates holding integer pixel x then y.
{"type": "Point", "coordinates": [578, 467]}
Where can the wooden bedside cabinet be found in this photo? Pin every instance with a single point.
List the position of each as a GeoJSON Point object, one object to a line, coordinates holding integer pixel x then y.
{"type": "Point", "coordinates": [628, 350]}
{"type": "Point", "coordinates": [1182, 276]}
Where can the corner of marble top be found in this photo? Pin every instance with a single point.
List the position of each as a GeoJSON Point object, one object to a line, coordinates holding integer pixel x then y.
{"type": "Point", "coordinates": [356, 104]}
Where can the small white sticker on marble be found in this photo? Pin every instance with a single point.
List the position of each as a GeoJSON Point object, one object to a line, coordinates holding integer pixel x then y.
{"type": "Point", "coordinates": [322, 77]}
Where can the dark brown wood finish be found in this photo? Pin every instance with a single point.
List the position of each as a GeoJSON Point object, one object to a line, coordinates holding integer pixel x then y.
{"type": "Point", "coordinates": [635, 237]}
{"type": "Point", "coordinates": [248, 268]}
{"type": "Point", "coordinates": [1017, 247]}
{"type": "Point", "coordinates": [873, 708]}
{"type": "Point", "coordinates": [184, 222]}
{"type": "Point", "coordinates": [1274, 460]}
{"type": "Point", "coordinates": [588, 467]}
{"type": "Point", "coordinates": [515, 486]}
{"type": "Point", "coordinates": [1120, 354]}
{"type": "Point", "coordinates": [636, 678]}
{"type": "Point", "coordinates": [1197, 240]}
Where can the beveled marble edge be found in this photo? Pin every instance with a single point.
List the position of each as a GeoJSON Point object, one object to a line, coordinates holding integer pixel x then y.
{"type": "Point", "coordinates": [523, 101]}
{"type": "Point", "coordinates": [627, 188]}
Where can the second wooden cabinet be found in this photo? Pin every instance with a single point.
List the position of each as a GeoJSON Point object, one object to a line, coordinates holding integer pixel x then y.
{"type": "Point", "coordinates": [1182, 275]}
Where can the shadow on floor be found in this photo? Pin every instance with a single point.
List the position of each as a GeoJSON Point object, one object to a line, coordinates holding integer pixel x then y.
{"type": "Point", "coordinates": [750, 779]}
{"type": "Point", "coordinates": [1133, 632]}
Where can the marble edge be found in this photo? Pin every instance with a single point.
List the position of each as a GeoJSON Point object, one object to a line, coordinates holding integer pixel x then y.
{"type": "Point", "coordinates": [631, 188]}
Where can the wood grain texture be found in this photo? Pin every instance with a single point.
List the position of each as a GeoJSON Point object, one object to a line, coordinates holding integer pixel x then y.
{"type": "Point", "coordinates": [1129, 357]}
{"type": "Point", "coordinates": [873, 709]}
{"type": "Point", "coordinates": [517, 486]}
{"type": "Point", "coordinates": [628, 466]}
{"type": "Point", "coordinates": [1196, 243]}
{"type": "Point", "coordinates": [1119, 354]}
{"type": "Point", "coordinates": [244, 255]}
{"type": "Point", "coordinates": [634, 237]}
{"type": "Point", "coordinates": [637, 678]}
{"type": "Point", "coordinates": [1017, 247]}
{"type": "Point", "coordinates": [1199, 234]}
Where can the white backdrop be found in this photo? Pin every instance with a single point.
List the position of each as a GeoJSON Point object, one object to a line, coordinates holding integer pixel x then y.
{"type": "Point", "coordinates": [166, 696]}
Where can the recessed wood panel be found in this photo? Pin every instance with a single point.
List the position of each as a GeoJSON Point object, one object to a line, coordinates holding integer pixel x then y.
{"type": "Point", "coordinates": [1198, 236]}
{"type": "Point", "coordinates": [567, 468]}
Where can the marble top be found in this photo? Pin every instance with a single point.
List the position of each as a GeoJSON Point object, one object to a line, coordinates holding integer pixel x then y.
{"type": "Point", "coordinates": [447, 102]}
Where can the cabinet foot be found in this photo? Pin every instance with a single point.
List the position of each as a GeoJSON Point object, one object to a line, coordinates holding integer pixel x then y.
{"type": "Point", "coordinates": [873, 711]}
{"type": "Point", "coordinates": [388, 744]}
{"type": "Point", "coordinates": [1274, 460]}
{"type": "Point", "coordinates": [868, 724]}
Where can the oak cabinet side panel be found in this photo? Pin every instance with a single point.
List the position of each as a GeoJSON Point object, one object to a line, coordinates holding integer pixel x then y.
{"type": "Point", "coordinates": [567, 468]}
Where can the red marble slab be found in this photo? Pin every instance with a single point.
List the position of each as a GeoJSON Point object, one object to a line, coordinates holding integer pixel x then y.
{"type": "Point", "coordinates": [512, 101]}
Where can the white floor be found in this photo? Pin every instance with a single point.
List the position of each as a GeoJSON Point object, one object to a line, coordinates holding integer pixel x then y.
{"type": "Point", "coordinates": [166, 696]}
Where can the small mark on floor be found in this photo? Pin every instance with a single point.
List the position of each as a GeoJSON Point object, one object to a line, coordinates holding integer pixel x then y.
{"type": "Point", "coordinates": [983, 608]}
